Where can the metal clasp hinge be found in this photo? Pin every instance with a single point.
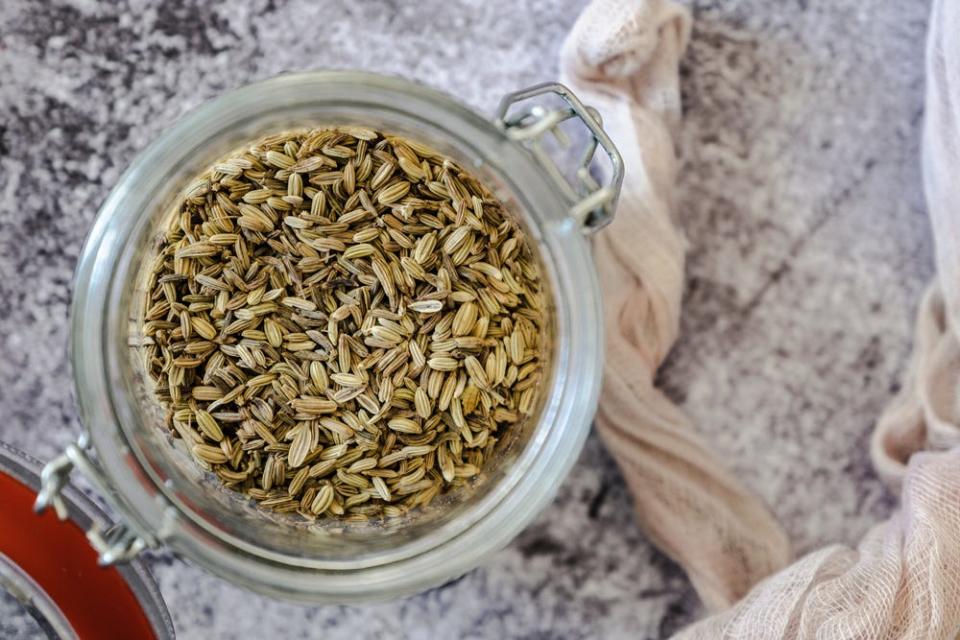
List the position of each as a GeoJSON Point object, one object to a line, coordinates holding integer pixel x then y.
{"type": "Point", "coordinates": [592, 204]}
{"type": "Point", "coordinates": [119, 542]}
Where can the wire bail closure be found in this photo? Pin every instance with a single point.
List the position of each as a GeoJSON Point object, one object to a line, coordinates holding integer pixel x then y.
{"type": "Point", "coordinates": [117, 543]}
{"type": "Point", "coordinates": [593, 205]}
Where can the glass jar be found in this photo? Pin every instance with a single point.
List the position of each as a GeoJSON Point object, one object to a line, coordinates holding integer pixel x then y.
{"type": "Point", "coordinates": [163, 498]}
{"type": "Point", "coordinates": [50, 585]}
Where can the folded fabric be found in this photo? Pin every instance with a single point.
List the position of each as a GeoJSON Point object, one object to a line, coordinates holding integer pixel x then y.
{"type": "Point", "coordinates": [622, 58]}
{"type": "Point", "coordinates": [903, 580]}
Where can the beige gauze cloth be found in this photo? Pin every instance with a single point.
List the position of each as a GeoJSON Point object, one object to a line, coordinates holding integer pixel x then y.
{"type": "Point", "coordinates": [903, 580]}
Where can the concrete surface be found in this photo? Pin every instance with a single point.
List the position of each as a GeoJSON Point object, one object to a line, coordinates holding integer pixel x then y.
{"type": "Point", "coordinates": [800, 193]}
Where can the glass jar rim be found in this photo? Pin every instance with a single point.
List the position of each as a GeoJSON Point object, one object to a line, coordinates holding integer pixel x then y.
{"type": "Point", "coordinates": [153, 508]}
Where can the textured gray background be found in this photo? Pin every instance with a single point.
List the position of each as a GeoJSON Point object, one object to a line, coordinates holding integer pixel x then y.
{"type": "Point", "coordinates": [800, 193]}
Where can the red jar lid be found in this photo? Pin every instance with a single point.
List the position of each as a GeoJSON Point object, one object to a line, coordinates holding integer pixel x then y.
{"type": "Point", "coordinates": [96, 602]}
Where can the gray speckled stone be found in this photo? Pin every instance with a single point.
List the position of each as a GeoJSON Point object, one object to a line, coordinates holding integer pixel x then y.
{"type": "Point", "coordinates": [19, 621]}
{"type": "Point", "coordinates": [800, 195]}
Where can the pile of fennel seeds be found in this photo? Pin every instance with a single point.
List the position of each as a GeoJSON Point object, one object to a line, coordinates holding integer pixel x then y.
{"type": "Point", "coordinates": [343, 322]}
